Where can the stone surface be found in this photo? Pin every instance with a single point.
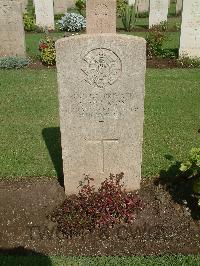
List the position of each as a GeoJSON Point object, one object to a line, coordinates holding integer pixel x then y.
{"type": "Point", "coordinates": [179, 6]}
{"type": "Point", "coordinates": [158, 12]}
{"type": "Point", "coordinates": [190, 29]}
{"type": "Point", "coordinates": [44, 14]}
{"type": "Point", "coordinates": [101, 16]}
{"type": "Point", "coordinates": [12, 37]}
{"type": "Point", "coordinates": [142, 6]}
{"type": "Point", "coordinates": [61, 6]}
{"type": "Point", "coordinates": [101, 94]}
{"type": "Point", "coordinates": [24, 4]}
{"type": "Point", "coordinates": [131, 2]}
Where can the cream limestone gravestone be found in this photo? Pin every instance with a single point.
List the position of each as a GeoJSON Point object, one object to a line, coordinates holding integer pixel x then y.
{"type": "Point", "coordinates": [60, 6]}
{"type": "Point", "coordinates": [44, 14]}
{"type": "Point", "coordinates": [101, 94]}
{"type": "Point", "coordinates": [131, 2]}
{"type": "Point", "coordinates": [142, 6]}
{"type": "Point", "coordinates": [12, 36]}
{"type": "Point", "coordinates": [190, 29]}
{"type": "Point", "coordinates": [101, 16]}
{"type": "Point", "coordinates": [179, 5]}
{"type": "Point", "coordinates": [158, 12]}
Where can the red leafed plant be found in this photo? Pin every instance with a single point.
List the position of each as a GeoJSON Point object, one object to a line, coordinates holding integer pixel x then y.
{"type": "Point", "coordinates": [91, 209]}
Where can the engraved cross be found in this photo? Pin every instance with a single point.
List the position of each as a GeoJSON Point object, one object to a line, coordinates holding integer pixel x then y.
{"type": "Point", "coordinates": [103, 142]}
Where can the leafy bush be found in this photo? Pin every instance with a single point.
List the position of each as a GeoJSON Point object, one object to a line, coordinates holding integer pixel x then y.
{"type": "Point", "coordinates": [13, 62]}
{"type": "Point", "coordinates": [121, 6]}
{"type": "Point", "coordinates": [47, 51]}
{"type": "Point", "coordinates": [128, 17]}
{"type": "Point", "coordinates": [58, 16]}
{"type": "Point", "coordinates": [188, 62]}
{"type": "Point", "coordinates": [88, 210]}
{"type": "Point", "coordinates": [191, 168]}
{"type": "Point", "coordinates": [29, 22]}
{"type": "Point", "coordinates": [72, 22]}
{"type": "Point", "coordinates": [81, 6]}
{"type": "Point", "coordinates": [155, 40]}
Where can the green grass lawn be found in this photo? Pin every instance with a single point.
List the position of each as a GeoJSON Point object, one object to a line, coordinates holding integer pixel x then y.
{"type": "Point", "coordinates": [100, 261]}
{"type": "Point", "coordinates": [30, 109]}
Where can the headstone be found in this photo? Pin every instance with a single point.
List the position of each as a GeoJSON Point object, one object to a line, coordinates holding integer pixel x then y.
{"type": "Point", "coordinates": [12, 38]}
{"type": "Point", "coordinates": [179, 6]}
{"type": "Point", "coordinates": [142, 6]}
{"type": "Point", "coordinates": [60, 6]}
{"type": "Point", "coordinates": [101, 93]}
{"type": "Point", "coordinates": [24, 4]}
{"type": "Point", "coordinates": [131, 2]}
{"type": "Point", "coordinates": [190, 29]}
{"type": "Point", "coordinates": [158, 12]}
{"type": "Point", "coordinates": [101, 16]}
{"type": "Point", "coordinates": [44, 14]}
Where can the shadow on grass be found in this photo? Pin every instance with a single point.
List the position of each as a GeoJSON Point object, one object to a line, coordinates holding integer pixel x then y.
{"type": "Point", "coordinates": [179, 186]}
{"type": "Point", "coordinates": [52, 139]}
{"type": "Point", "coordinates": [21, 256]}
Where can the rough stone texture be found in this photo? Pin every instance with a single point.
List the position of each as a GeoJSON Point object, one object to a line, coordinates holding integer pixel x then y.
{"type": "Point", "coordinates": [158, 12]}
{"type": "Point", "coordinates": [101, 16]}
{"type": "Point", "coordinates": [12, 39]}
{"type": "Point", "coordinates": [61, 6]}
{"type": "Point", "coordinates": [179, 6]}
{"type": "Point", "coordinates": [190, 29]}
{"type": "Point", "coordinates": [131, 2]}
{"type": "Point", "coordinates": [142, 6]}
{"type": "Point", "coordinates": [24, 4]}
{"type": "Point", "coordinates": [101, 93]}
{"type": "Point", "coordinates": [44, 14]}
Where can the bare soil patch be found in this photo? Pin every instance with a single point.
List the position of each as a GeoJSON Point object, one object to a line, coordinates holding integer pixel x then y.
{"type": "Point", "coordinates": [163, 227]}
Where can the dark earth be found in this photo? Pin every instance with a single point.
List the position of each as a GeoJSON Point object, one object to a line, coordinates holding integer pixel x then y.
{"type": "Point", "coordinates": [163, 227]}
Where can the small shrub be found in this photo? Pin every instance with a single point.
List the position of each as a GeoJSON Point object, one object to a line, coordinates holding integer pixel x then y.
{"type": "Point", "coordinates": [13, 62]}
{"type": "Point", "coordinates": [188, 62]}
{"type": "Point", "coordinates": [29, 22]}
{"type": "Point", "coordinates": [58, 16]}
{"type": "Point", "coordinates": [81, 6]}
{"type": "Point", "coordinates": [128, 17]}
{"type": "Point", "coordinates": [47, 51]}
{"type": "Point", "coordinates": [155, 40]}
{"type": "Point", "coordinates": [121, 6]}
{"type": "Point", "coordinates": [72, 22]}
{"type": "Point", "coordinates": [88, 210]}
{"type": "Point", "coordinates": [191, 169]}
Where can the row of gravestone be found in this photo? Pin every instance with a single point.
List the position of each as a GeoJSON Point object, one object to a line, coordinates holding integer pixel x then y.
{"type": "Point", "coordinates": [101, 81]}
{"type": "Point", "coordinates": [144, 5]}
{"type": "Point", "coordinates": [60, 6]}
{"type": "Point", "coordinates": [12, 32]}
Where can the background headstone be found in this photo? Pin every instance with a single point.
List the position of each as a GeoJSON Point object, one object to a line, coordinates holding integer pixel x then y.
{"type": "Point", "coordinates": [12, 38]}
{"type": "Point", "coordinates": [131, 2]}
{"type": "Point", "coordinates": [101, 16]}
{"type": "Point", "coordinates": [101, 94]}
{"type": "Point", "coordinates": [44, 14]}
{"type": "Point", "coordinates": [190, 29]}
{"type": "Point", "coordinates": [60, 6]}
{"type": "Point", "coordinates": [142, 6]}
{"type": "Point", "coordinates": [158, 12]}
{"type": "Point", "coordinates": [179, 6]}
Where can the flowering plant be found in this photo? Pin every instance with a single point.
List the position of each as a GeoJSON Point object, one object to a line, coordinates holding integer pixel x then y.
{"type": "Point", "coordinates": [47, 51]}
{"type": "Point", "coordinates": [72, 22]}
{"type": "Point", "coordinates": [109, 205]}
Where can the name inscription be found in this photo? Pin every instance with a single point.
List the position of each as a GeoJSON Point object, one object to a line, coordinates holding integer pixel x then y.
{"type": "Point", "coordinates": [103, 105]}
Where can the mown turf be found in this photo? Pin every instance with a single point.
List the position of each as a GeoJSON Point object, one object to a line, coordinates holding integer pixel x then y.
{"type": "Point", "coordinates": [100, 261]}
{"type": "Point", "coordinates": [30, 108]}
